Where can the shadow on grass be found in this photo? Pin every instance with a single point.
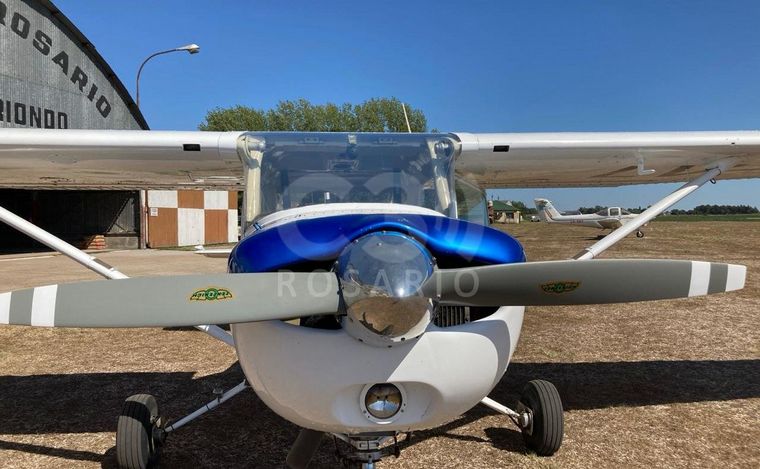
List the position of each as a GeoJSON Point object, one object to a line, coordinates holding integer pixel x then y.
{"type": "Point", "coordinates": [62, 453]}
{"type": "Point", "coordinates": [244, 432]}
{"type": "Point", "coordinates": [596, 385]}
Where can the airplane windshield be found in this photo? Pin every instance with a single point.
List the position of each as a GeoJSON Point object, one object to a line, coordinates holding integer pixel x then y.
{"type": "Point", "coordinates": [299, 169]}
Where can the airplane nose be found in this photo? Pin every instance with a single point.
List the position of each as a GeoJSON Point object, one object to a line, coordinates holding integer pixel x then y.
{"type": "Point", "coordinates": [381, 275]}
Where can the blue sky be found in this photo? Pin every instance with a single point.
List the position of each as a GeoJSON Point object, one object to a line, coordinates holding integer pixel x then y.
{"type": "Point", "coordinates": [474, 66]}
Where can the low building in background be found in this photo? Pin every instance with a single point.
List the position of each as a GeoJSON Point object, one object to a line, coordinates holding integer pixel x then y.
{"type": "Point", "coordinates": [504, 212]}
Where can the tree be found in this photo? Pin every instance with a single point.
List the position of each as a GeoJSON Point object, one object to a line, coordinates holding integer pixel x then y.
{"type": "Point", "coordinates": [587, 210]}
{"type": "Point", "coordinates": [524, 209]}
{"type": "Point", "coordinates": [373, 115]}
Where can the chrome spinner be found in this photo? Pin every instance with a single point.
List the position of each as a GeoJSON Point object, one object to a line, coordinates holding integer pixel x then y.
{"type": "Point", "coordinates": [381, 274]}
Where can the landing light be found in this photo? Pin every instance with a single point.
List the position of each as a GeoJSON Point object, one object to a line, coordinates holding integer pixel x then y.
{"type": "Point", "coordinates": [383, 400]}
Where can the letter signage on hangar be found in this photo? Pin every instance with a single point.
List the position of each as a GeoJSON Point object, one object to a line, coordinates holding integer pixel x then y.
{"type": "Point", "coordinates": [52, 77]}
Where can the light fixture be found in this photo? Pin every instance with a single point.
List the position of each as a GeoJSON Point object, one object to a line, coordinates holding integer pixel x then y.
{"type": "Point", "coordinates": [191, 48]}
{"type": "Point", "coordinates": [383, 400]}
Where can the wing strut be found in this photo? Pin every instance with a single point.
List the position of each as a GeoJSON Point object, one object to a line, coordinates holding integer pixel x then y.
{"type": "Point", "coordinates": [91, 262]}
{"type": "Point", "coordinates": [613, 238]}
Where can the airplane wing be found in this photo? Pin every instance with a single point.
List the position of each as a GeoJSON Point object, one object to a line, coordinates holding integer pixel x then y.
{"type": "Point", "coordinates": [127, 159]}
{"type": "Point", "coordinates": [603, 158]}
{"type": "Point", "coordinates": [119, 159]}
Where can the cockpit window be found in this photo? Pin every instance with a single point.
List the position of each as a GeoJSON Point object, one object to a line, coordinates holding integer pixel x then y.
{"type": "Point", "coordinates": [298, 169]}
{"type": "Point", "coordinates": [612, 212]}
{"type": "Point", "coordinates": [471, 202]}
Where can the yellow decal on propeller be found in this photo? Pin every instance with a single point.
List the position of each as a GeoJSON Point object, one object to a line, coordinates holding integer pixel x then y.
{"type": "Point", "coordinates": [211, 294]}
{"type": "Point", "coordinates": [559, 287]}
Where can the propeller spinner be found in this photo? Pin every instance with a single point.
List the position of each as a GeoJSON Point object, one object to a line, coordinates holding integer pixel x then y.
{"type": "Point", "coordinates": [381, 275]}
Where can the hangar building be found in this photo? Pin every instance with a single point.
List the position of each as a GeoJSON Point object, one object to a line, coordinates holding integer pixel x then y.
{"type": "Point", "coordinates": [52, 77]}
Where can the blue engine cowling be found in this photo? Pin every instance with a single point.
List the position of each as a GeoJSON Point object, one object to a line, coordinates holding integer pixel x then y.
{"type": "Point", "coordinates": [315, 243]}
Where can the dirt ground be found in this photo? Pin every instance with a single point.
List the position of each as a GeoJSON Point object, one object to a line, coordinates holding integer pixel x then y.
{"type": "Point", "coordinates": [669, 384]}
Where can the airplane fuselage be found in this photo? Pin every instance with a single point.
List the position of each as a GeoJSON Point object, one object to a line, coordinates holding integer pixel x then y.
{"type": "Point", "coordinates": [592, 220]}
{"type": "Point", "coordinates": [606, 219]}
{"type": "Point", "coordinates": [316, 377]}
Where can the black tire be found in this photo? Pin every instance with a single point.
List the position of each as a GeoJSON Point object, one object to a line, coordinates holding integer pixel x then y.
{"type": "Point", "coordinates": [545, 436]}
{"type": "Point", "coordinates": [639, 234]}
{"type": "Point", "coordinates": [135, 445]}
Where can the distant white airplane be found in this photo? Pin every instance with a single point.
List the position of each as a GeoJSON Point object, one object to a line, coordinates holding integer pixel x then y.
{"type": "Point", "coordinates": [609, 218]}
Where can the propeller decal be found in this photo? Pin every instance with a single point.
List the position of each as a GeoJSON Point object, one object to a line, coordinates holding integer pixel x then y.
{"type": "Point", "coordinates": [211, 294]}
{"type": "Point", "coordinates": [559, 287]}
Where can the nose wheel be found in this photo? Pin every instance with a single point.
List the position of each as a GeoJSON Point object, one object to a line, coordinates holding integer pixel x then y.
{"type": "Point", "coordinates": [639, 234]}
{"type": "Point", "coordinates": [544, 426]}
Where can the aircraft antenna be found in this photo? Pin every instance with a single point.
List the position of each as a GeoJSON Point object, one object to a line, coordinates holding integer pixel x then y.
{"type": "Point", "coordinates": [408, 127]}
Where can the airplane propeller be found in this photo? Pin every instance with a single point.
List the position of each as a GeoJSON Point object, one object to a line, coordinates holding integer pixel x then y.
{"type": "Point", "coordinates": [231, 298]}
{"type": "Point", "coordinates": [173, 301]}
{"type": "Point", "coordinates": [571, 282]}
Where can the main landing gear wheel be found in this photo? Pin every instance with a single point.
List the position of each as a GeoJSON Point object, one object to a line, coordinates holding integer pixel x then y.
{"type": "Point", "coordinates": [544, 429]}
{"type": "Point", "coordinates": [639, 234]}
{"type": "Point", "coordinates": [139, 433]}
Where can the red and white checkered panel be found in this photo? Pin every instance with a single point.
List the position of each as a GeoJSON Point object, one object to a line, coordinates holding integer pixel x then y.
{"type": "Point", "coordinates": [187, 218]}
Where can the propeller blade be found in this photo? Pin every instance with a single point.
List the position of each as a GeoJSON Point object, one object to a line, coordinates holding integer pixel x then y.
{"type": "Point", "coordinates": [173, 301]}
{"type": "Point", "coordinates": [571, 282]}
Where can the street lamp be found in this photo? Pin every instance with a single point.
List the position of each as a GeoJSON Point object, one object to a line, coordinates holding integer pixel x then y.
{"type": "Point", "coordinates": [190, 48]}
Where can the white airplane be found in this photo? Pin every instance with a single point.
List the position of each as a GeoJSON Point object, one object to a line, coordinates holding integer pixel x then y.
{"type": "Point", "coordinates": [609, 218]}
{"type": "Point", "coordinates": [411, 306]}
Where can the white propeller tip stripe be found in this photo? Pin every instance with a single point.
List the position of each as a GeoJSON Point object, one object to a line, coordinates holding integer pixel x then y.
{"type": "Point", "coordinates": [43, 306]}
{"type": "Point", "coordinates": [700, 278]}
{"type": "Point", "coordinates": [5, 308]}
{"type": "Point", "coordinates": [736, 277]}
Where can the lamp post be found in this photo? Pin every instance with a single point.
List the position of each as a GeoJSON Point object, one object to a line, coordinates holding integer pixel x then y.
{"type": "Point", "coordinates": [191, 49]}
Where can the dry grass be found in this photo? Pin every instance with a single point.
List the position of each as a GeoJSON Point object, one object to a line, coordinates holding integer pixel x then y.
{"type": "Point", "coordinates": [672, 384]}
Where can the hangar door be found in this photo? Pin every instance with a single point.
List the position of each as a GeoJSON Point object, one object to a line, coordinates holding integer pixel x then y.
{"type": "Point", "coordinates": [86, 219]}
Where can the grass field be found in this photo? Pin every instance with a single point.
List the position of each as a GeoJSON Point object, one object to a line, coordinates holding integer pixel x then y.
{"type": "Point", "coordinates": [665, 384]}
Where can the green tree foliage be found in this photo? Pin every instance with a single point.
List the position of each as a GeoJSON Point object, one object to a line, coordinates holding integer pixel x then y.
{"type": "Point", "coordinates": [524, 209]}
{"type": "Point", "coordinates": [717, 210]}
{"type": "Point", "coordinates": [374, 115]}
{"type": "Point", "coordinates": [594, 209]}
{"type": "Point", "coordinates": [698, 210]}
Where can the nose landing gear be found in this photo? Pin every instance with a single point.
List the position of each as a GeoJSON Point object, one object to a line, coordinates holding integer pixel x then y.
{"type": "Point", "coordinates": [365, 451]}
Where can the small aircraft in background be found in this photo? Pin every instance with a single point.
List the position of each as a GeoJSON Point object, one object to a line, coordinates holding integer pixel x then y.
{"type": "Point", "coordinates": [609, 218]}
{"type": "Point", "coordinates": [410, 305]}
